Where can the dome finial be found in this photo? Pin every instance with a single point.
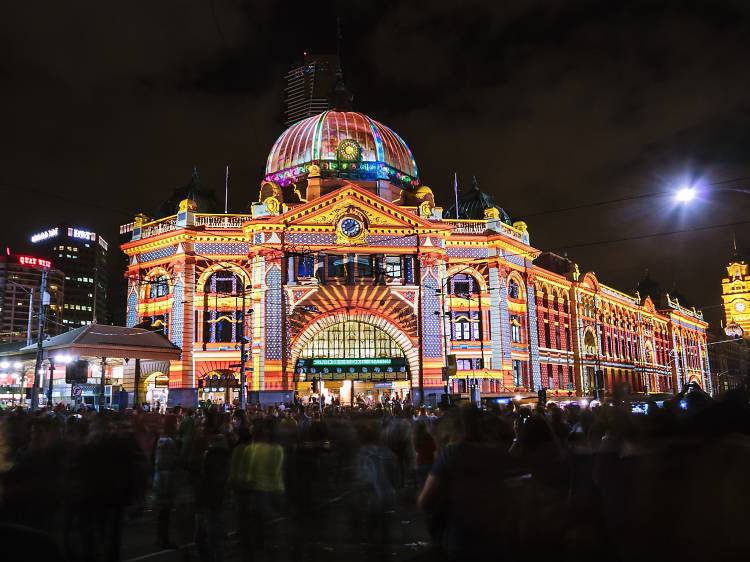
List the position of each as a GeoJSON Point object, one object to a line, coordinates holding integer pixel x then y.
{"type": "Point", "coordinates": [341, 97]}
{"type": "Point", "coordinates": [195, 182]}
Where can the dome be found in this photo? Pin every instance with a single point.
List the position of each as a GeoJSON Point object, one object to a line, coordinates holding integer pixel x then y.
{"type": "Point", "coordinates": [422, 192]}
{"type": "Point", "coordinates": [473, 203]}
{"type": "Point", "coordinates": [344, 144]}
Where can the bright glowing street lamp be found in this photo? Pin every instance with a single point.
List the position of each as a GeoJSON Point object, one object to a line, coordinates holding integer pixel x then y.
{"type": "Point", "coordinates": [685, 194]}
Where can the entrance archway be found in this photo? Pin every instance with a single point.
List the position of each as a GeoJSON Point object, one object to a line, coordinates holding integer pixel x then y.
{"type": "Point", "coordinates": [357, 347]}
{"type": "Point", "coordinates": [155, 389]}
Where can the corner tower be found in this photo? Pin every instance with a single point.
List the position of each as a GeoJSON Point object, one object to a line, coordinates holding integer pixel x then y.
{"type": "Point", "coordinates": [735, 293]}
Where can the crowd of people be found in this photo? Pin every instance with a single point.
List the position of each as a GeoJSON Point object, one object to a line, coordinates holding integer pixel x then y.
{"type": "Point", "coordinates": [525, 481]}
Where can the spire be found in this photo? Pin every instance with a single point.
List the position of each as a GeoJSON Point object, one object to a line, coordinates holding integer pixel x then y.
{"type": "Point", "coordinates": [195, 182]}
{"type": "Point", "coordinates": [341, 97]}
{"type": "Point", "coordinates": [735, 255]}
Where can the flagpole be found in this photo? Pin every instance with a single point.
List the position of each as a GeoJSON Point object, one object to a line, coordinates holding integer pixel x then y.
{"type": "Point", "coordinates": [226, 190]}
{"type": "Point", "coordinates": [455, 191]}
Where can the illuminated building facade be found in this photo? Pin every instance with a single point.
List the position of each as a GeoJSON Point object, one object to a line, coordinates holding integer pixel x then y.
{"type": "Point", "coordinates": [20, 282]}
{"type": "Point", "coordinates": [345, 271]}
{"type": "Point", "coordinates": [735, 294]}
{"type": "Point", "coordinates": [82, 256]}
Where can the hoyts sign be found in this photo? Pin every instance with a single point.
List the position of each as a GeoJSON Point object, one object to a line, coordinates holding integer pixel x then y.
{"type": "Point", "coordinates": [31, 261]}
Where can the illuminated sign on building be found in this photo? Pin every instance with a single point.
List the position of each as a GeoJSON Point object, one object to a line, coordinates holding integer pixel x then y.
{"type": "Point", "coordinates": [45, 235]}
{"type": "Point", "coordinates": [31, 261]}
{"type": "Point", "coordinates": [348, 362]}
{"type": "Point", "coordinates": [103, 243]}
{"type": "Point", "coordinates": [82, 234]}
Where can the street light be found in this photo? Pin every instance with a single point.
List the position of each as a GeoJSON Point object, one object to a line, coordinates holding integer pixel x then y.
{"type": "Point", "coordinates": [685, 194]}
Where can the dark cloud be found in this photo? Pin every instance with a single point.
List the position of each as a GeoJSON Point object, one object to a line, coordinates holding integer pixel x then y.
{"type": "Point", "coordinates": [549, 103]}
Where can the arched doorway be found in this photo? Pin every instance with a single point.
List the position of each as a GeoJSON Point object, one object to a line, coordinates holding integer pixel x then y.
{"type": "Point", "coordinates": [156, 390]}
{"type": "Point", "coordinates": [354, 354]}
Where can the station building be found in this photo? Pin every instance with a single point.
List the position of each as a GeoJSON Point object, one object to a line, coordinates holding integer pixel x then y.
{"type": "Point", "coordinates": [347, 272]}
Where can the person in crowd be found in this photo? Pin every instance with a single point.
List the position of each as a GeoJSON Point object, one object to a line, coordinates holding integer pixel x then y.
{"type": "Point", "coordinates": [166, 475]}
{"type": "Point", "coordinates": [424, 448]}
{"type": "Point", "coordinates": [263, 477]}
{"type": "Point", "coordinates": [464, 492]}
{"type": "Point", "coordinates": [210, 495]}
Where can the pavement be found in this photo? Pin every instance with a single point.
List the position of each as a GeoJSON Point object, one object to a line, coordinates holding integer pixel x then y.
{"type": "Point", "coordinates": [328, 538]}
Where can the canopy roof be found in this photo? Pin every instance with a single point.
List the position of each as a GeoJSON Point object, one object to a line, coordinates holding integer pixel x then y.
{"type": "Point", "coordinates": [98, 340]}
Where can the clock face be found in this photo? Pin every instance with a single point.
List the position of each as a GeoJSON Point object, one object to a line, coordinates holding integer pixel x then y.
{"type": "Point", "coordinates": [739, 306]}
{"type": "Point", "coordinates": [348, 150]}
{"type": "Point", "coordinates": [351, 227]}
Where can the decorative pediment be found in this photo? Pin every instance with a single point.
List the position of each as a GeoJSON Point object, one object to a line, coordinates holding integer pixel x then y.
{"type": "Point", "coordinates": [376, 212]}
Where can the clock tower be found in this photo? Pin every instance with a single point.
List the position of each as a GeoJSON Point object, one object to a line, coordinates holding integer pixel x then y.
{"type": "Point", "coordinates": [735, 289]}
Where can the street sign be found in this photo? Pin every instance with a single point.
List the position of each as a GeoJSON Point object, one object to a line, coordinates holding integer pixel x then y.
{"type": "Point", "coordinates": [76, 391]}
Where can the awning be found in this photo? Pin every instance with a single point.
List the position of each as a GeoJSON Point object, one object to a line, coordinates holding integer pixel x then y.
{"type": "Point", "coordinates": [99, 340]}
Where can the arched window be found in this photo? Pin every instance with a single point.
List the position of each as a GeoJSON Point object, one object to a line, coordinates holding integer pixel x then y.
{"type": "Point", "coordinates": [222, 315]}
{"type": "Point", "coordinates": [351, 340]}
{"type": "Point", "coordinates": [463, 285]}
{"type": "Point", "coordinates": [514, 289]}
{"type": "Point", "coordinates": [589, 343]}
{"type": "Point", "coordinates": [548, 320]}
{"type": "Point", "coordinates": [158, 287]}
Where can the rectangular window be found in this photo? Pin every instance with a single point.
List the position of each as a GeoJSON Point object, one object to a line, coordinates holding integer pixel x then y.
{"type": "Point", "coordinates": [393, 267]}
{"type": "Point", "coordinates": [224, 286]}
{"type": "Point", "coordinates": [461, 287]}
{"type": "Point", "coordinates": [517, 373]}
{"type": "Point", "coordinates": [550, 377]}
{"type": "Point", "coordinates": [515, 328]}
{"type": "Point", "coordinates": [466, 326]}
{"type": "Point", "coordinates": [305, 266]}
{"type": "Point", "coordinates": [468, 364]}
{"type": "Point", "coordinates": [365, 266]}
{"type": "Point", "coordinates": [336, 266]}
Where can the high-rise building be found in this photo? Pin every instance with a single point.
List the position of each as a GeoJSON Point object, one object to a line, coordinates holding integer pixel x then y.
{"type": "Point", "coordinates": [82, 255]}
{"type": "Point", "coordinates": [309, 85]}
{"type": "Point", "coordinates": [20, 284]}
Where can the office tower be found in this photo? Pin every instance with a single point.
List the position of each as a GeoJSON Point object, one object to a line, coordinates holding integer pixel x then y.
{"type": "Point", "coordinates": [309, 85]}
{"type": "Point", "coordinates": [20, 282]}
{"type": "Point", "coordinates": [82, 255]}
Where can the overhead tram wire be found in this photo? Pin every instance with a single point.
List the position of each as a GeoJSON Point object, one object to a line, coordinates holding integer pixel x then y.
{"type": "Point", "coordinates": [620, 199]}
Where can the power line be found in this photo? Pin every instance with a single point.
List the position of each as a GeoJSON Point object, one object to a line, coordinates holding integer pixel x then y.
{"type": "Point", "coordinates": [619, 200]}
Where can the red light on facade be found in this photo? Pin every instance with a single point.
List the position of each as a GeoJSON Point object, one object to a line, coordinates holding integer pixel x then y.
{"type": "Point", "coordinates": [32, 261]}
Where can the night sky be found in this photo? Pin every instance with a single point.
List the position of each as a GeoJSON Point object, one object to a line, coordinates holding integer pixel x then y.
{"type": "Point", "coordinates": [106, 107]}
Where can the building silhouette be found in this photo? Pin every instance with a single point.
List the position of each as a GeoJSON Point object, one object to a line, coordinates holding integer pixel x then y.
{"type": "Point", "coordinates": [309, 85]}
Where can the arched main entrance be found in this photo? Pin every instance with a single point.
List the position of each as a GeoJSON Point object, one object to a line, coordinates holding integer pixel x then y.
{"type": "Point", "coordinates": [352, 353]}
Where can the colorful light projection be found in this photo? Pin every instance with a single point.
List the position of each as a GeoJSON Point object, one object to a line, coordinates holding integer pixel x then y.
{"type": "Point", "coordinates": [318, 140]}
